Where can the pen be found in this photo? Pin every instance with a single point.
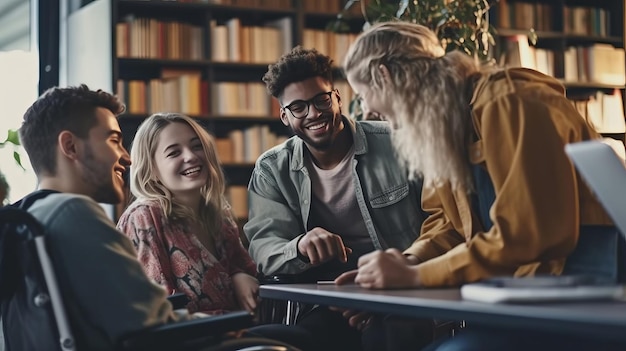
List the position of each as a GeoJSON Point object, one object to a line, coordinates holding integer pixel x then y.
{"type": "Point", "coordinates": [325, 282]}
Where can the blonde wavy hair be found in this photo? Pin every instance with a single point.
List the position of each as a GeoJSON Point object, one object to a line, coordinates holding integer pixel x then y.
{"type": "Point", "coordinates": [429, 91]}
{"type": "Point", "coordinates": [144, 183]}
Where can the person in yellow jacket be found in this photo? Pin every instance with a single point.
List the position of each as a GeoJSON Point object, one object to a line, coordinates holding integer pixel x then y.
{"type": "Point", "coordinates": [501, 194]}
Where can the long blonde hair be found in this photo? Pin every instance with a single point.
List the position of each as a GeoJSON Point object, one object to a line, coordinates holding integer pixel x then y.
{"type": "Point", "coordinates": [144, 184]}
{"type": "Point", "coordinates": [429, 90]}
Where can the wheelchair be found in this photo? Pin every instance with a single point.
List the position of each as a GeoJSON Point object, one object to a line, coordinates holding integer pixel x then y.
{"type": "Point", "coordinates": [35, 314]}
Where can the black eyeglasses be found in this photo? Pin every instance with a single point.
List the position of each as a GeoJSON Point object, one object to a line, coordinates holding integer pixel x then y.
{"type": "Point", "coordinates": [321, 101]}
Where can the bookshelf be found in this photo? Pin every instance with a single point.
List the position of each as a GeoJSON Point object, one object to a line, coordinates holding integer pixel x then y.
{"type": "Point", "coordinates": [580, 42]}
{"type": "Point", "coordinates": [206, 59]}
{"type": "Point", "coordinates": [201, 58]}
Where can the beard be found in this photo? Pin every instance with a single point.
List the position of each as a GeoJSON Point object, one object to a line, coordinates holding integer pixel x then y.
{"type": "Point", "coordinates": [100, 178]}
{"type": "Point", "coordinates": [327, 141]}
{"type": "Point", "coordinates": [432, 143]}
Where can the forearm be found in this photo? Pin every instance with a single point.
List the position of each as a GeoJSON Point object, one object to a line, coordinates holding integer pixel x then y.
{"type": "Point", "coordinates": [275, 255]}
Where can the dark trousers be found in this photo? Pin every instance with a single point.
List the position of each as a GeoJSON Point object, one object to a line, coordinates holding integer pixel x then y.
{"type": "Point", "coordinates": [323, 329]}
{"type": "Point", "coordinates": [478, 338]}
{"type": "Point", "coordinates": [393, 333]}
{"type": "Point", "coordinates": [330, 330]}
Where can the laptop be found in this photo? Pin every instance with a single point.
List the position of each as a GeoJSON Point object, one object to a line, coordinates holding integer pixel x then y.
{"type": "Point", "coordinates": [605, 174]}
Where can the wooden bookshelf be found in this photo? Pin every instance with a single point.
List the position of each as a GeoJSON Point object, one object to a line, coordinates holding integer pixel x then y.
{"type": "Point", "coordinates": [574, 41]}
{"type": "Point", "coordinates": [226, 46]}
{"type": "Point", "coordinates": [201, 58]}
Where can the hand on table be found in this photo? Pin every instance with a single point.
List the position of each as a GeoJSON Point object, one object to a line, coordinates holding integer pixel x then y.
{"type": "Point", "coordinates": [376, 262]}
{"type": "Point", "coordinates": [382, 270]}
{"type": "Point", "coordinates": [246, 290]}
{"type": "Point", "coordinates": [320, 245]}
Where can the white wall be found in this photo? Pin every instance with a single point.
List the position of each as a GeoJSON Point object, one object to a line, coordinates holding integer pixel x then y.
{"type": "Point", "coordinates": [19, 76]}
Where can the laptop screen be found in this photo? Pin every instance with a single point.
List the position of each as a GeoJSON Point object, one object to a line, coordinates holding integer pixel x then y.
{"type": "Point", "coordinates": [605, 174]}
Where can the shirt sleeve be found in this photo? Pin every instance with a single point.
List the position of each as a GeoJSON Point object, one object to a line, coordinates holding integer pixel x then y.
{"type": "Point", "coordinates": [102, 276]}
{"type": "Point", "coordinates": [273, 230]}
{"type": "Point", "coordinates": [535, 212]}
{"type": "Point", "coordinates": [143, 226]}
{"type": "Point", "coordinates": [438, 232]}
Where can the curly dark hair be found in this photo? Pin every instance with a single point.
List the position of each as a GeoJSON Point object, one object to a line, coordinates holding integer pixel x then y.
{"type": "Point", "coordinates": [298, 65]}
{"type": "Point", "coordinates": [58, 109]}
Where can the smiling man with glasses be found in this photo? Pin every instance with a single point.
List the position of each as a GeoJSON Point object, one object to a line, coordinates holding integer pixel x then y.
{"type": "Point", "coordinates": [331, 193]}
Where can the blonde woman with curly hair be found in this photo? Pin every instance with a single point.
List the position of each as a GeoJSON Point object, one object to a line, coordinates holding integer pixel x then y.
{"type": "Point", "coordinates": [180, 222]}
{"type": "Point", "coordinates": [502, 196]}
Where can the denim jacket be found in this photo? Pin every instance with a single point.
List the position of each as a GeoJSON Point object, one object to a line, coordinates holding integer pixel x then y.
{"type": "Point", "coordinates": [280, 198]}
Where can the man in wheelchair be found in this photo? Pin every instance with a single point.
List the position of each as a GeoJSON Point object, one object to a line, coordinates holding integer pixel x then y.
{"type": "Point", "coordinates": [74, 143]}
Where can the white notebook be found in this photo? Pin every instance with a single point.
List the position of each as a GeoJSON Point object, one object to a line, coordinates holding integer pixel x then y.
{"type": "Point", "coordinates": [540, 289]}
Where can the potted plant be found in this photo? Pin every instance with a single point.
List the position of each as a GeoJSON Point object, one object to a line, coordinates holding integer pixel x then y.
{"type": "Point", "coordinates": [459, 24]}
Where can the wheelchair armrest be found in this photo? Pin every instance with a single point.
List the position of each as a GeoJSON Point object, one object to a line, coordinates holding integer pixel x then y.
{"type": "Point", "coordinates": [178, 300]}
{"type": "Point", "coordinates": [177, 336]}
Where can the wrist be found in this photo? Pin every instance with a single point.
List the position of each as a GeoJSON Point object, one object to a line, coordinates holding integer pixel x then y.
{"type": "Point", "coordinates": [300, 255]}
{"type": "Point", "coordinates": [415, 277]}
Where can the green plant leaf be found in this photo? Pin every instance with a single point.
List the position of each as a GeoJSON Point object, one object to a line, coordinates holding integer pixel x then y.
{"type": "Point", "coordinates": [13, 137]}
{"type": "Point", "coordinates": [18, 159]}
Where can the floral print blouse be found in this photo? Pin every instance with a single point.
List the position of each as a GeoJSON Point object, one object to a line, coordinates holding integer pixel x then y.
{"type": "Point", "coordinates": [176, 259]}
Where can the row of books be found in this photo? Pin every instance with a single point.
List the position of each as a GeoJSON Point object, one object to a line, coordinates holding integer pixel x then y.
{"type": "Point", "coordinates": [598, 63]}
{"type": "Point", "coordinates": [186, 93]}
{"type": "Point", "coordinates": [604, 111]}
{"type": "Point", "coordinates": [242, 99]}
{"type": "Point", "coordinates": [586, 21]}
{"type": "Point", "coordinates": [234, 42]}
{"type": "Point", "coordinates": [244, 146]}
{"type": "Point", "coordinates": [155, 39]}
{"type": "Point", "coordinates": [330, 6]}
{"type": "Point", "coordinates": [231, 41]}
{"type": "Point", "coordinates": [518, 53]}
{"type": "Point", "coordinates": [576, 19]}
{"type": "Point", "coordinates": [332, 44]}
{"type": "Point", "coordinates": [524, 15]}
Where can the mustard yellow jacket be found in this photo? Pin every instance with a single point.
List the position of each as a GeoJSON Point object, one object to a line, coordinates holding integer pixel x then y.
{"type": "Point", "coordinates": [523, 121]}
